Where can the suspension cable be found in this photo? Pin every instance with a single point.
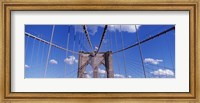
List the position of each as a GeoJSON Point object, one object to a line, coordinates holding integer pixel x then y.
{"type": "Point", "coordinates": [143, 41]}
{"type": "Point", "coordinates": [59, 47]}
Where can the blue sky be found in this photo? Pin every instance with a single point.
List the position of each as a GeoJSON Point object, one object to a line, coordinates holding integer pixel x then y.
{"type": "Point", "coordinates": [158, 54]}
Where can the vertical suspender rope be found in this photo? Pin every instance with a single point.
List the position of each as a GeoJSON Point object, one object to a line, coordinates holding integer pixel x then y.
{"type": "Point", "coordinates": [49, 51]}
{"type": "Point", "coordinates": [109, 41]}
{"type": "Point", "coordinates": [141, 56]}
{"type": "Point", "coordinates": [123, 52]}
{"type": "Point", "coordinates": [163, 58]}
{"type": "Point", "coordinates": [79, 41]}
{"type": "Point", "coordinates": [42, 52]}
{"type": "Point", "coordinates": [67, 51]}
{"type": "Point", "coordinates": [74, 38]}
{"type": "Point", "coordinates": [83, 40]}
{"type": "Point", "coordinates": [107, 46]}
{"type": "Point", "coordinates": [117, 49]}
{"type": "Point", "coordinates": [169, 51]}
{"type": "Point", "coordinates": [74, 47]}
{"type": "Point", "coordinates": [32, 50]}
{"type": "Point", "coordinates": [26, 44]}
{"type": "Point", "coordinates": [38, 52]}
{"type": "Point", "coordinates": [80, 49]}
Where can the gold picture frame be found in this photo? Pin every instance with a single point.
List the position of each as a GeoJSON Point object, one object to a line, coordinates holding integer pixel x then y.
{"type": "Point", "coordinates": [124, 5]}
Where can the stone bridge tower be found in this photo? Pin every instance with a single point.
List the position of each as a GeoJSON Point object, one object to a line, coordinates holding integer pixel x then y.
{"type": "Point", "coordinates": [89, 58]}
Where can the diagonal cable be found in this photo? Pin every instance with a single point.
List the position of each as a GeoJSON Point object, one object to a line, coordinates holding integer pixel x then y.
{"type": "Point", "coordinates": [87, 36]}
{"type": "Point", "coordinates": [49, 51]}
{"type": "Point", "coordinates": [140, 50]}
{"type": "Point", "coordinates": [102, 37]}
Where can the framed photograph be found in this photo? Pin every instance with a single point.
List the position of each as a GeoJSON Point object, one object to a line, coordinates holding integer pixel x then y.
{"type": "Point", "coordinates": [100, 50]}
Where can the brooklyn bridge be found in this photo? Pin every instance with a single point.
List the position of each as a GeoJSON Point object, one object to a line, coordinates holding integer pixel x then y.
{"type": "Point", "coordinates": [101, 51]}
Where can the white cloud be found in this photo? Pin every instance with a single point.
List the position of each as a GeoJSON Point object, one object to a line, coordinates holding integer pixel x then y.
{"type": "Point", "coordinates": [96, 48]}
{"type": "Point", "coordinates": [101, 71]}
{"type": "Point", "coordinates": [92, 29]}
{"type": "Point", "coordinates": [27, 66]}
{"type": "Point", "coordinates": [118, 76]}
{"type": "Point", "coordinates": [53, 61]}
{"type": "Point", "coordinates": [129, 76]}
{"type": "Point", "coordinates": [71, 60]}
{"type": "Point", "coordinates": [121, 76]}
{"type": "Point", "coordinates": [166, 72]}
{"type": "Point", "coordinates": [87, 76]}
{"type": "Point", "coordinates": [125, 28]}
{"type": "Point", "coordinates": [152, 61]}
